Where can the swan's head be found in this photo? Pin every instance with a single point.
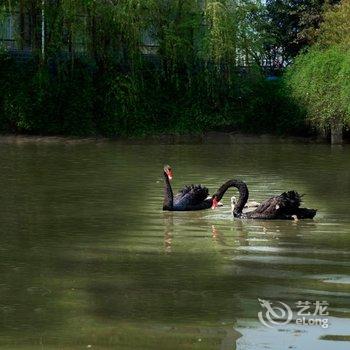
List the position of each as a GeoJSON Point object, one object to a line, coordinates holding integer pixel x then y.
{"type": "Point", "coordinates": [168, 171]}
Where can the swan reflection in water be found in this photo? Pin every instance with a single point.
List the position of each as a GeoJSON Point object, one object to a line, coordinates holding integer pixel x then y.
{"type": "Point", "coordinates": [168, 219]}
{"type": "Point", "coordinates": [217, 237]}
{"type": "Point", "coordinates": [217, 234]}
{"type": "Point", "coordinates": [244, 232]}
{"type": "Point", "coordinates": [224, 331]}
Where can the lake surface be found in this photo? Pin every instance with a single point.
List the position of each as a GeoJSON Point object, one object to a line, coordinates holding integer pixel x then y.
{"type": "Point", "coordinates": [89, 259]}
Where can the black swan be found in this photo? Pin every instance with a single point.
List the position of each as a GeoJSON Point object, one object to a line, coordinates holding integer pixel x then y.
{"type": "Point", "coordinates": [283, 207]}
{"type": "Point", "coordinates": [193, 197]}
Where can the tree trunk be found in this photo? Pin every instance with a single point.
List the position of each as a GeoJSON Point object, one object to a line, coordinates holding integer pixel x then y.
{"type": "Point", "coordinates": [336, 132]}
{"type": "Point", "coordinates": [43, 30]}
{"type": "Point", "coordinates": [22, 24]}
{"type": "Point", "coordinates": [323, 133]}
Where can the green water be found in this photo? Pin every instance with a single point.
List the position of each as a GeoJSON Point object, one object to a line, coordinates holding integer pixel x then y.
{"type": "Point", "coordinates": [89, 259]}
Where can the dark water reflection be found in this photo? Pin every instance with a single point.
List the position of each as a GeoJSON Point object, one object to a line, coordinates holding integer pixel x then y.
{"type": "Point", "coordinates": [90, 260]}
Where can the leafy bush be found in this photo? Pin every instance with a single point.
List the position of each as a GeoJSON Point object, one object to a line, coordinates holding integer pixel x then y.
{"type": "Point", "coordinates": [319, 80]}
{"type": "Point", "coordinates": [58, 98]}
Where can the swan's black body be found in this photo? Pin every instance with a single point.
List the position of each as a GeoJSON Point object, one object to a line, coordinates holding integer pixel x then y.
{"type": "Point", "coordinates": [190, 198]}
{"type": "Point", "coordinates": [283, 207]}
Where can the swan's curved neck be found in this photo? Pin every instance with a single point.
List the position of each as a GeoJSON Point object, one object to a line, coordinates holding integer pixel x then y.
{"type": "Point", "coordinates": [243, 194]}
{"type": "Point", "coordinates": [168, 194]}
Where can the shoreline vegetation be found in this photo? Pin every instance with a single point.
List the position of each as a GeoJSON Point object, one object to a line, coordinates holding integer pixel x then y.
{"type": "Point", "coordinates": [171, 139]}
{"type": "Point", "coordinates": [136, 67]}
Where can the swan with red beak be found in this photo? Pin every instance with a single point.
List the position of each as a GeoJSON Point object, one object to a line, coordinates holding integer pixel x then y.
{"type": "Point", "coordinates": [189, 198]}
{"type": "Point", "coordinates": [215, 203]}
{"type": "Point", "coordinates": [168, 171]}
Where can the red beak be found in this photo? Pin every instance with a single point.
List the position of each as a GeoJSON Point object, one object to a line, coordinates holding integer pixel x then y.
{"type": "Point", "coordinates": [215, 203]}
{"type": "Point", "coordinates": [170, 174]}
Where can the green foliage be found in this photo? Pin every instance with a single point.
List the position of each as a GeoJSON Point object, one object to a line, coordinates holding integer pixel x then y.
{"type": "Point", "coordinates": [56, 99]}
{"type": "Point", "coordinates": [319, 80]}
{"type": "Point", "coordinates": [220, 38]}
{"type": "Point", "coordinates": [50, 99]}
{"type": "Point", "coordinates": [95, 80]}
{"type": "Point", "coordinates": [336, 27]}
{"type": "Point", "coordinates": [293, 25]}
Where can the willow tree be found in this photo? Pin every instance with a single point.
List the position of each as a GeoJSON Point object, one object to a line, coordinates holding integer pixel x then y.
{"type": "Point", "coordinates": [174, 26]}
{"type": "Point", "coordinates": [95, 64]}
{"type": "Point", "coordinates": [335, 30]}
{"type": "Point", "coordinates": [220, 35]}
{"type": "Point", "coordinates": [319, 79]}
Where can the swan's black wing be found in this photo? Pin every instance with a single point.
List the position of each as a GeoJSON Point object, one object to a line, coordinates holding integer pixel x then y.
{"type": "Point", "coordinates": [278, 207]}
{"type": "Point", "coordinates": [190, 196]}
